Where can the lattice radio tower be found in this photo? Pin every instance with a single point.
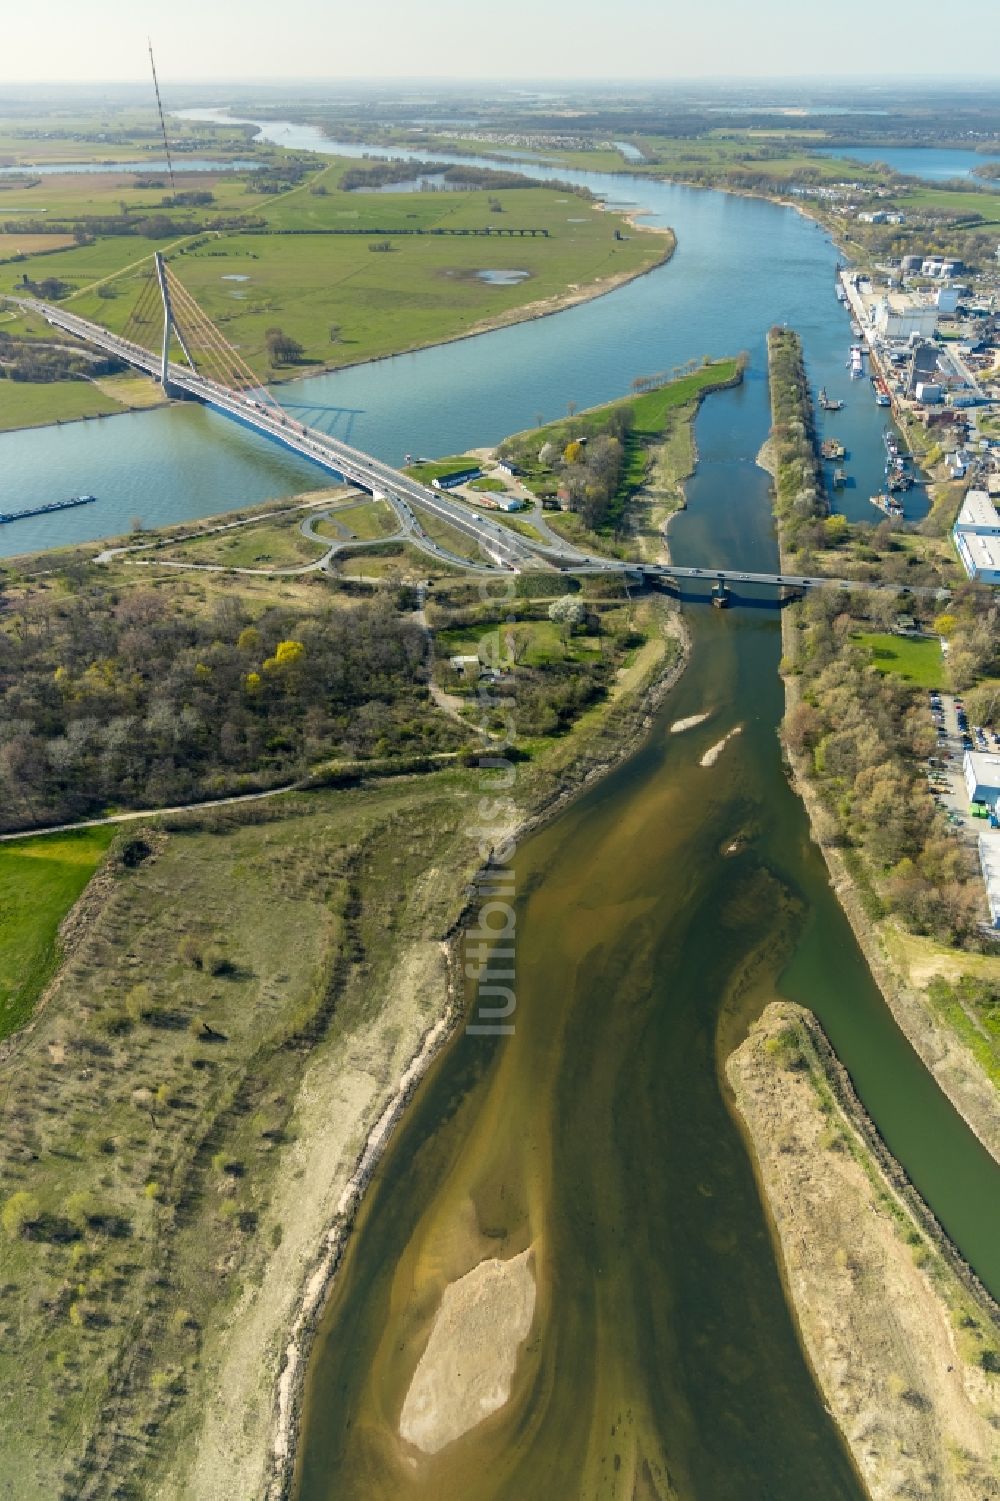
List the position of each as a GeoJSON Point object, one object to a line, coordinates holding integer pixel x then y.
{"type": "Point", "coordinates": [163, 123]}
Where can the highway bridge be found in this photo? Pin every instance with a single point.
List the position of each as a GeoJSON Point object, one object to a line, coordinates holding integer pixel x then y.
{"type": "Point", "coordinates": [228, 385]}
{"type": "Point", "coordinates": [253, 407]}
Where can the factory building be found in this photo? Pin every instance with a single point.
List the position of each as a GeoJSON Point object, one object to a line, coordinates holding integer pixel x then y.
{"type": "Point", "coordinates": [976, 534]}
{"type": "Point", "coordinates": [899, 315]}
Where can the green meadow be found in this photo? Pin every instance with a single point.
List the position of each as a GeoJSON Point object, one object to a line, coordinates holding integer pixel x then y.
{"type": "Point", "coordinates": [40, 879]}
{"type": "Point", "coordinates": [916, 659]}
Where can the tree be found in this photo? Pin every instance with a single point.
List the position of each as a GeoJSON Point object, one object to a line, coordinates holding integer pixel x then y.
{"type": "Point", "coordinates": [287, 654]}
{"type": "Point", "coordinates": [567, 612]}
{"type": "Point", "coordinates": [945, 624]}
{"type": "Point", "coordinates": [334, 333]}
{"type": "Point", "coordinates": [282, 349]}
{"type": "Point", "coordinates": [803, 727]}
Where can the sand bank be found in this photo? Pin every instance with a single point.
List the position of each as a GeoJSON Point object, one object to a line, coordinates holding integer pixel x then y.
{"type": "Point", "coordinates": [466, 1370]}
{"type": "Point", "coordinates": [715, 751]}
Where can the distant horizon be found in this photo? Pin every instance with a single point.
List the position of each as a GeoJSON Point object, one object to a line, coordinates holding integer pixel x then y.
{"type": "Point", "coordinates": [640, 43]}
{"type": "Point", "coordinates": [935, 81]}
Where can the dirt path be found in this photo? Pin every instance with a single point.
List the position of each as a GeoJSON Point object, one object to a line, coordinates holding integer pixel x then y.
{"type": "Point", "coordinates": [898, 1343]}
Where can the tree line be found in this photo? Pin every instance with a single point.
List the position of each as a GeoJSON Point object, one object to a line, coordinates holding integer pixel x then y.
{"type": "Point", "coordinates": [800, 500]}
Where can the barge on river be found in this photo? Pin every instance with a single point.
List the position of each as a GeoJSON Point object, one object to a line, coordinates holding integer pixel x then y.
{"type": "Point", "coordinates": [53, 505]}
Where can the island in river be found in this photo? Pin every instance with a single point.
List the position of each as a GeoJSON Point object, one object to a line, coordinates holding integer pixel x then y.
{"type": "Point", "coordinates": [905, 1347]}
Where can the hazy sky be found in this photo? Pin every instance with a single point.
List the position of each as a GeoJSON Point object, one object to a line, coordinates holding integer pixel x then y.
{"type": "Point", "coordinates": [94, 40]}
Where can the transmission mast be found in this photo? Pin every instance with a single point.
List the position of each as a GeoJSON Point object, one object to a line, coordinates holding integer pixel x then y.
{"type": "Point", "coordinates": [163, 123]}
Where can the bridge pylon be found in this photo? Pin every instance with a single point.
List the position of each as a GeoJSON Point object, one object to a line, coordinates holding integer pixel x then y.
{"type": "Point", "coordinates": [170, 328]}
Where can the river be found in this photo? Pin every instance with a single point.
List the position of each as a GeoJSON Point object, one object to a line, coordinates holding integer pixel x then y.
{"type": "Point", "coordinates": [599, 1133]}
{"type": "Point", "coordinates": [740, 265]}
{"type": "Point", "coordinates": [935, 164]}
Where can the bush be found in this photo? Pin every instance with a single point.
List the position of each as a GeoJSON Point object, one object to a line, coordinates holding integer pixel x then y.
{"type": "Point", "coordinates": [21, 1211]}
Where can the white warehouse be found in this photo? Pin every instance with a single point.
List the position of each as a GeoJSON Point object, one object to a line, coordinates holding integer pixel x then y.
{"type": "Point", "coordinates": [899, 316]}
{"type": "Point", "coordinates": [976, 535]}
{"type": "Point", "coordinates": [982, 777]}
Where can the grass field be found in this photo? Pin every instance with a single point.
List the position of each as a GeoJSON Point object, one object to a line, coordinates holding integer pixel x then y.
{"type": "Point", "coordinates": [169, 1138]}
{"type": "Point", "coordinates": [450, 538]}
{"type": "Point", "coordinates": [135, 391]}
{"type": "Point", "coordinates": [278, 544]}
{"type": "Point", "coordinates": [433, 469]}
{"type": "Point", "coordinates": [539, 642]}
{"type": "Point", "coordinates": [917, 660]}
{"type": "Point", "coordinates": [394, 559]}
{"type": "Point", "coordinates": [40, 879]}
{"type": "Point", "coordinates": [323, 287]}
{"type": "Point", "coordinates": [23, 404]}
{"type": "Point", "coordinates": [12, 244]}
{"type": "Point", "coordinates": [368, 521]}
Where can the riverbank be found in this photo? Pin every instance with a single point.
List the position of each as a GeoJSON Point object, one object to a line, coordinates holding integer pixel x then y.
{"type": "Point", "coordinates": [59, 403]}
{"type": "Point", "coordinates": [945, 1054]}
{"type": "Point", "coordinates": [904, 1344]}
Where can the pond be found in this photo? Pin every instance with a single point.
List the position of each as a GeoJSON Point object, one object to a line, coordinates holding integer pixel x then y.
{"type": "Point", "coordinates": [503, 278]}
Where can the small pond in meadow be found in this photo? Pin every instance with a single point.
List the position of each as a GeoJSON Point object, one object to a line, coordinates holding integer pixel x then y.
{"type": "Point", "coordinates": [503, 278]}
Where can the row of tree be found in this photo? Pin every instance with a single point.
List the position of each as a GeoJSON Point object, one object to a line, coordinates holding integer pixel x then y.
{"type": "Point", "coordinates": [800, 500]}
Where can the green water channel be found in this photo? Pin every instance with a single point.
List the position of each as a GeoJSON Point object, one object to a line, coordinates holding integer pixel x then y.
{"type": "Point", "coordinates": [655, 917]}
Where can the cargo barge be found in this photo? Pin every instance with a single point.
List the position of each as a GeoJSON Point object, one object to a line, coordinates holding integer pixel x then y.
{"type": "Point", "coordinates": [52, 505]}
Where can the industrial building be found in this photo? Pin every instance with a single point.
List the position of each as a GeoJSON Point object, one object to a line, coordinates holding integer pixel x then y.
{"type": "Point", "coordinates": [989, 863]}
{"type": "Point", "coordinates": [900, 315]}
{"type": "Point", "coordinates": [456, 477]}
{"type": "Point", "coordinates": [923, 366]}
{"type": "Point", "coordinates": [981, 770]}
{"type": "Point", "coordinates": [976, 534]}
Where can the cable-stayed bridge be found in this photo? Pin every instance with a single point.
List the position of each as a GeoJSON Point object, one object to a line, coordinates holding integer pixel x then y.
{"type": "Point", "coordinates": [211, 370]}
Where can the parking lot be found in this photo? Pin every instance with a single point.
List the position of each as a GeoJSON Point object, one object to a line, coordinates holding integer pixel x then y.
{"type": "Point", "coordinates": [955, 736]}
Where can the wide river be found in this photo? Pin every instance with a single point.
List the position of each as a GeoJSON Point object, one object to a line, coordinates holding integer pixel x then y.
{"type": "Point", "coordinates": [663, 1360]}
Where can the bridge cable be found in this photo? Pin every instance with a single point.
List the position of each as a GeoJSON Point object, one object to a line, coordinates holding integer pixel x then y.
{"type": "Point", "coordinates": [239, 374]}
{"type": "Point", "coordinates": [143, 313]}
{"type": "Point", "coordinates": [204, 337]}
